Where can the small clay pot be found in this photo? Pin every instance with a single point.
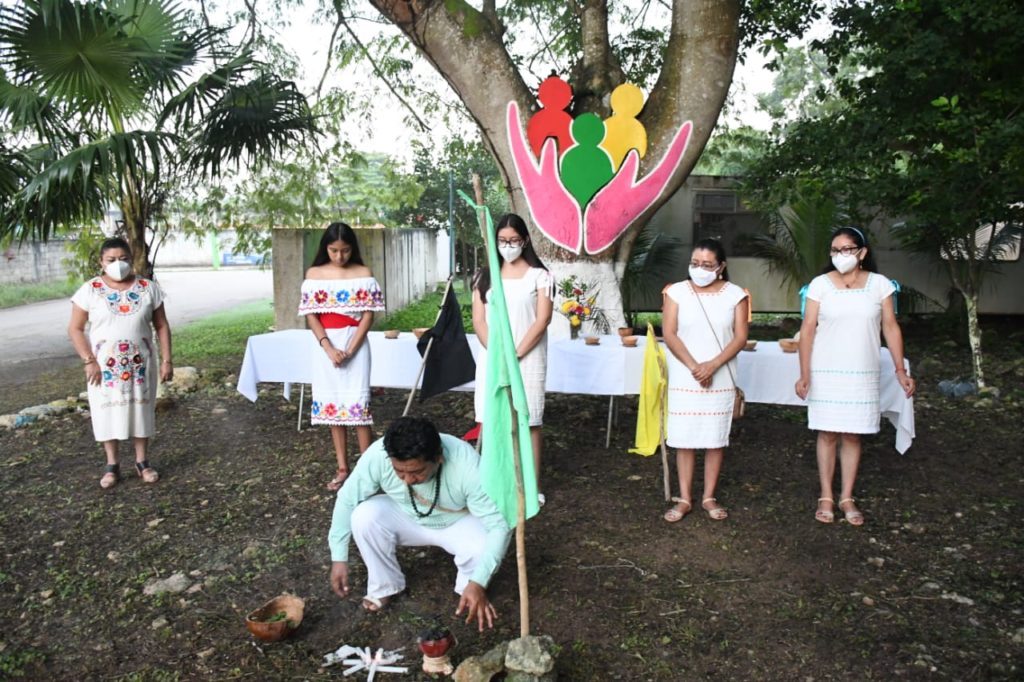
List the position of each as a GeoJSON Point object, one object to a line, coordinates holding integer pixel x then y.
{"type": "Point", "coordinates": [592, 340]}
{"type": "Point", "coordinates": [273, 631]}
{"type": "Point", "coordinates": [625, 331]}
{"type": "Point", "coordinates": [437, 647]}
{"type": "Point", "coordinates": [391, 334]}
{"type": "Point", "coordinates": [629, 341]}
{"type": "Point", "coordinates": [420, 331]}
{"type": "Point", "coordinates": [789, 345]}
{"type": "Point", "coordinates": [751, 345]}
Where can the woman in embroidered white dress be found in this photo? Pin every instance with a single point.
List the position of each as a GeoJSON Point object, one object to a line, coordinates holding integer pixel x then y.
{"type": "Point", "coordinates": [705, 322]}
{"type": "Point", "coordinates": [339, 297]}
{"type": "Point", "coordinates": [120, 359]}
{"type": "Point", "coordinates": [528, 288]}
{"type": "Point", "coordinates": [846, 308]}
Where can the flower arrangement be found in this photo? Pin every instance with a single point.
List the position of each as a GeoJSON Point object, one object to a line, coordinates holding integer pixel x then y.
{"type": "Point", "coordinates": [580, 305]}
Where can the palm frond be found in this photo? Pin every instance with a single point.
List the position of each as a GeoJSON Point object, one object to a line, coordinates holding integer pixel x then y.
{"type": "Point", "coordinates": [80, 184]}
{"type": "Point", "coordinates": [197, 99]}
{"type": "Point", "coordinates": [23, 108]}
{"type": "Point", "coordinates": [252, 123]}
{"type": "Point", "coordinates": [70, 52]}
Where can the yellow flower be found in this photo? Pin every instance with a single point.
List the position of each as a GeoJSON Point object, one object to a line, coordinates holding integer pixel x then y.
{"type": "Point", "coordinates": [567, 306]}
{"type": "Point", "coordinates": [574, 321]}
{"type": "Point", "coordinates": [586, 311]}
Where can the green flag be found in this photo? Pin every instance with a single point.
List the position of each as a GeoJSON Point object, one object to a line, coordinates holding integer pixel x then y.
{"type": "Point", "coordinates": [497, 463]}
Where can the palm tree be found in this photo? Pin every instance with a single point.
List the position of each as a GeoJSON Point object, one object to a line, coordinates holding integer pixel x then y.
{"type": "Point", "coordinates": [657, 259]}
{"type": "Point", "coordinates": [800, 234]}
{"type": "Point", "coordinates": [105, 104]}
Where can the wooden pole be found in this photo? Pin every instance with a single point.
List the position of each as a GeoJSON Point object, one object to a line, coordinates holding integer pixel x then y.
{"type": "Point", "coordinates": [426, 351]}
{"type": "Point", "coordinates": [524, 589]}
{"type": "Point", "coordinates": [661, 427]}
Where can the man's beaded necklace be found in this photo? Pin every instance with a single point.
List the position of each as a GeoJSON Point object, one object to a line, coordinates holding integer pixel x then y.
{"type": "Point", "coordinates": [437, 494]}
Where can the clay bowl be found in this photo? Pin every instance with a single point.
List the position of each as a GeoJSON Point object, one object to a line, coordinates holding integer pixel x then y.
{"type": "Point", "coordinates": [629, 341]}
{"type": "Point", "coordinates": [625, 331]}
{"type": "Point", "coordinates": [592, 340]}
{"type": "Point", "coordinates": [788, 345]}
{"type": "Point", "coordinates": [262, 626]}
{"type": "Point", "coordinates": [391, 334]}
{"type": "Point", "coordinates": [751, 345]}
{"type": "Point", "coordinates": [420, 331]}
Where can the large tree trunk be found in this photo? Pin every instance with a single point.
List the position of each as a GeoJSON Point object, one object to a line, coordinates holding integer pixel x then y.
{"type": "Point", "coordinates": [466, 48]}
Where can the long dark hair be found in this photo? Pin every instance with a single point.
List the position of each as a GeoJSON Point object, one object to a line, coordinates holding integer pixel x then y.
{"type": "Point", "coordinates": [715, 247]}
{"type": "Point", "coordinates": [861, 241]}
{"type": "Point", "coordinates": [338, 232]}
{"type": "Point", "coordinates": [115, 243]}
{"type": "Point", "coordinates": [483, 278]}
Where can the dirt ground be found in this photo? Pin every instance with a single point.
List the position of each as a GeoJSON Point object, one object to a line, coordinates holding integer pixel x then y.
{"type": "Point", "coordinates": [930, 587]}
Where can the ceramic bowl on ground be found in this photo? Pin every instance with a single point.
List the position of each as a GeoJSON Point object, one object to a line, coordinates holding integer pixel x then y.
{"type": "Point", "coordinates": [592, 340]}
{"type": "Point", "coordinates": [625, 331]}
{"type": "Point", "coordinates": [420, 331]}
{"type": "Point", "coordinates": [629, 341]}
{"type": "Point", "coordinates": [751, 345]}
{"type": "Point", "coordinates": [276, 619]}
{"type": "Point", "coordinates": [788, 345]}
{"type": "Point", "coordinates": [391, 334]}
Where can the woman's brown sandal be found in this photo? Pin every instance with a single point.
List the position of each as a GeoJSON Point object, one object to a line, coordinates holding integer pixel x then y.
{"type": "Point", "coordinates": [146, 472]}
{"type": "Point", "coordinates": [111, 475]}
{"type": "Point", "coordinates": [676, 514]}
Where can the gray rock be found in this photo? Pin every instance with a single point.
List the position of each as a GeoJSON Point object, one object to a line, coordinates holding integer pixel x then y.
{"type": "Point", "coordinates": [482, 668]}
{"type": "Point", "coordinates": [517, 676]}
{"type": "Point", "coordinates": [532, 654]}
{"type": "Point", "coordinates": [177, 583]}
{"type": "Point", "coordinates": [40, 411]}
{"type": "Point", "coordinates": [8, 420]}
{"type": "Point", "coordinates": [159, 623]}
{"type": "Point", "coordinates": [185, 379]}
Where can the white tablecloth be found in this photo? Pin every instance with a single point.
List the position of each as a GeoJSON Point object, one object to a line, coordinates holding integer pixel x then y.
{"type": "Point", "coordinates": [766, 374]}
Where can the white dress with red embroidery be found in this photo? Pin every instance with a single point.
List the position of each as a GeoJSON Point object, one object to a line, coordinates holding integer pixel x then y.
{"type": "Point", "coordinates": [121, 338]}
{"type": "Point", "coordinates": [700, 418]}
{"type": "Point", "coordinates": [341, 395]}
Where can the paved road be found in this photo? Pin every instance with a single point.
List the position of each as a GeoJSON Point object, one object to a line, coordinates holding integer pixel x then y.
{"type": "Point", "coordinates": [34, 339]}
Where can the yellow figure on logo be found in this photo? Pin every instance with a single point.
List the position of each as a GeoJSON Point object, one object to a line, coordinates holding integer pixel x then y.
{"type": "Point", "coordinates": [623, 131]}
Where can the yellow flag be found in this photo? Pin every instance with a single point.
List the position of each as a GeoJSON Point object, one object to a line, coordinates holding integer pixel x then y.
{"type": "Point", "coordinates": [651, 414]}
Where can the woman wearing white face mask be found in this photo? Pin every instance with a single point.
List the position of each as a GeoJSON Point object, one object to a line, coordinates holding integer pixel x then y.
{"type": "Point", "coordinates": [120, 357]}
{"type": "Point", "coordinates": [846, 308]}
{"type": "Point", "coordinates": [528, 294]}
{"type": "Point", "coordinates": [705, 322]}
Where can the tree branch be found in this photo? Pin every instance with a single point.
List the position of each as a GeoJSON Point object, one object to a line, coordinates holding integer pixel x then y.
{"type": "Point", "coordinates": [330, 51]}
{"type": "Point", "coordinates": [380, 74]}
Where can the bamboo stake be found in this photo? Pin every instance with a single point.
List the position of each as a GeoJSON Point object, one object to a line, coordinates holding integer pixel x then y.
{"type": "Point", "coordinates": [524, 590]}
{"type": "Point", "coordinates": [661, 427]}
{"type": "Point", "coordinates": [426, 352]}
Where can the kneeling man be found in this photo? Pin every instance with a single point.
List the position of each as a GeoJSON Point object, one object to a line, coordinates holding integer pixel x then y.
{"type": "Point", "coordinates": [431, 496]}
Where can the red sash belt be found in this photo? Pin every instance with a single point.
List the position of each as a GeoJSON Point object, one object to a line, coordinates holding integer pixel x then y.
{"type": "Point", "coordinates": [337, 321]}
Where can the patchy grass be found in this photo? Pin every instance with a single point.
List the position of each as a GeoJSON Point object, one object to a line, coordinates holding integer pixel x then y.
{"type": "Point", "coordinates": [222, 336]}
{"type": "Point", "coordinates": [423, 312]}
{"type": "Point", "coordinates": [19, 294]}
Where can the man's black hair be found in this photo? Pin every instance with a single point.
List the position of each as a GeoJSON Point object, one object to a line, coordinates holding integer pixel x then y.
{"type": "Point", "coordinates": [412, 438]}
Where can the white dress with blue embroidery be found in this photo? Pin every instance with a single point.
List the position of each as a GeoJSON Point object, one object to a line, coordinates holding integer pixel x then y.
{"type": "Point", "coordinates": [121, 338]}
{"type": "Point", "coordinates": [341, 395]}
{"type": "Point", "coordinates": [843, 396]}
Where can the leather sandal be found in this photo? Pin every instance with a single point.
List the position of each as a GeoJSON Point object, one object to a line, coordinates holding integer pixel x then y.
{"type": "Point", "coordinates": [339, 478]}
{"type": "Point", "coordinates": [675, 514]}
{"type": "Point", "coordinates": [146, 472]}
{"type": "Point", "coordinates": [853, 515]}
{"type": "Point", "coordinates": [111, 476]}
{"type": "Point", "coordinates": [824, 515]}
{"type": "Point", "coordinates": [716, 513]}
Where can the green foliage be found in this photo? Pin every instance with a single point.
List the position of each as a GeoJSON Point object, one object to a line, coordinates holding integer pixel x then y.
{"type": "Point", "coordinates": [732, 151]}
{"type": "Point", "coordinates": [108, 105]}
{"type": "Point", "coordinates": [423, 312]}
{"type": "Point", "coordinates": [20, 294]}
{"type": "Point", "coordinates": [222, 335]}
{"type": "Point", "coordinates": [13, 663]}
{"type": "Point", "coordinates": [656, 260]}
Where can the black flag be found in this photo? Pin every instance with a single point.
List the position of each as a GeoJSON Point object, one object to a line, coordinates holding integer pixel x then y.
{"type": "Point", "coordinates": [450, 362]}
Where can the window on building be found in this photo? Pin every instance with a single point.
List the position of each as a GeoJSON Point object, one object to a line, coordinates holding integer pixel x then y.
{"type": "Point", "coordinates": [720, 215]}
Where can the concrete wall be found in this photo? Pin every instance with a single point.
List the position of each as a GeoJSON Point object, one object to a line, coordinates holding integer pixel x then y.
{"type": "Point", "coordinates": [404, 261]}
{"type": "Point", "coordinates": [1000, 294]}
{"type": "Point", "coordinates": [34, 262]}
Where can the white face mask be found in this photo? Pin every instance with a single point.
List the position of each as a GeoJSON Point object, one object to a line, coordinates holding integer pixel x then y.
{"type": "Point", "coordinates": [702, 277]}
{"type": "Point", "coordinates": [118, 270]}
{"type": "Point", "coordinates": [510, 253]}
{"type": "Point", "coordinates": [844, 263]}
